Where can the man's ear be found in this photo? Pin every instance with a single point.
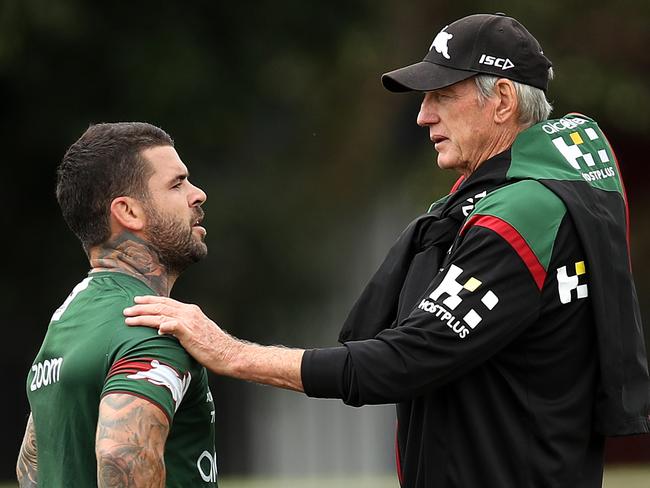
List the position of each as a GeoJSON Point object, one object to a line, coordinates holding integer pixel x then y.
{"type": "Point", "coordinates": [128, 213]}
{"type": "Point", "coordinates": [508, 105]}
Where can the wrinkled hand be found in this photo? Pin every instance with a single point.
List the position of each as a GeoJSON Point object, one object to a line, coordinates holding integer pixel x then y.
{"type": "Point", "coordinates": [215, 349]}
{"type": "Point", "coordinates": [200, 336]}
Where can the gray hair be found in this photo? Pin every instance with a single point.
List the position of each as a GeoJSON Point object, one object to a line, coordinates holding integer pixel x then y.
{"type": "Point", "coordinates": [533, 105]}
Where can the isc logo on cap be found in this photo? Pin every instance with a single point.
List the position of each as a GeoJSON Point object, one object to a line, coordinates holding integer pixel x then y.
{"type": "Point", "coordinates": [503, 63]}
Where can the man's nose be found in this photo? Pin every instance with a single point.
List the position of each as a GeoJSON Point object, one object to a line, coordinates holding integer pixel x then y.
{"type": "Point", "coordinates": [428, 114]}
{"type": "Point", "coordinates": [197, 196]}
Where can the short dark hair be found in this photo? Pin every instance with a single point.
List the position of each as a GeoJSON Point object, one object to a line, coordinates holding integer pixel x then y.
{"type": "Point", "coordinates": [105, 163]}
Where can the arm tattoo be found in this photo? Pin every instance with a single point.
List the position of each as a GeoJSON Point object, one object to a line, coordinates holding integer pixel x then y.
{"type": "Point", "coordinates": [130, 442]}
{"type": "Point", "coordinates": [27, 460]}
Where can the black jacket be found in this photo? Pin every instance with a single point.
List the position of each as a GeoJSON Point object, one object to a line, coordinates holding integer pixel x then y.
{"type": "Point", "coordinates": [481, 326]}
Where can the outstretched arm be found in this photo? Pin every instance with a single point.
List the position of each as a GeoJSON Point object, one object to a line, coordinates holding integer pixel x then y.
{"type": "Point", "coordinates": [26, 467]}
{"type": "Point", "coordinates": [216, 349]}
{"type": "Point", "coordinates": [130, 442]}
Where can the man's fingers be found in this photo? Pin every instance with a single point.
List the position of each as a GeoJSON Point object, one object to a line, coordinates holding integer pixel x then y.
{"type": "Point", "coordinates": [158, 300]}
{"type": "Point", "coordinates": [147, 320]}
{"type": "Point", "coordinates": [163, 324]}
{"type": "Point", "coordinates": [154, 305]}
{"type": "Point", "coordinates": [152, 299]}
{"type": "Point", "coordinates": [171, 327]}
{"type": "Point", "coordinates": [136, 310]}
{"type": "Point", "coordinates": [165, 314]}
{"type": "Point", "coordinates": [150, 309]}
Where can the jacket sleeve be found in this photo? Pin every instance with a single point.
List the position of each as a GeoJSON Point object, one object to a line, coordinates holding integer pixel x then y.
{"type": "Point", "coordinates": [484, 297]}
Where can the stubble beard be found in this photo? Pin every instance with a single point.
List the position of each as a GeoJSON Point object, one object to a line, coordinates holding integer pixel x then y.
{"type": "Point", "coordinates": [174, 241]}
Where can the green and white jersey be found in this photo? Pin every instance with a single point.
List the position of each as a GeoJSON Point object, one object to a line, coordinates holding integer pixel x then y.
{"type": "Point", "coordinates": [88, 352]}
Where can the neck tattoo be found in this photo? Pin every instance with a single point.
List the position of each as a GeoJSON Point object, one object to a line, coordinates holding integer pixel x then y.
{"type": "Point", "coordinates": [129, 254]}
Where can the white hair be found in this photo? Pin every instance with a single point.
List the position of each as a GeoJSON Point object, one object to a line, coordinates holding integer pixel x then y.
{"type": "Point", "coordinates": [533, 105]}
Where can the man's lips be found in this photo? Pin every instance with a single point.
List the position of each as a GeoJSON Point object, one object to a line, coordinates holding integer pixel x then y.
{"type": "Point", "coordinates": [196, 224]}
{"type": "Point", "coordinates": [200, 229]}
{"type": "Point", "coordinates": [437, 140]}
{"type": "Point", "coordinates": [198, 218]}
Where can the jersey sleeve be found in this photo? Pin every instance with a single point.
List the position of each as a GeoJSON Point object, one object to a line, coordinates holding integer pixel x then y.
{"type": "Point", "coordinates": [485, 296]}
{"type": "Point", "coordinates": [151, 366]}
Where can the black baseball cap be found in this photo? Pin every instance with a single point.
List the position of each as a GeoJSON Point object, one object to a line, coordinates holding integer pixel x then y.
{"type": "Point", "coordinates": [493, 44]}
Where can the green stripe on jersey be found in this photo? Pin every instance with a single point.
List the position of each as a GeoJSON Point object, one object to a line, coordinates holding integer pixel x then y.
{"type": "Point", "coordinates": [532, 209]}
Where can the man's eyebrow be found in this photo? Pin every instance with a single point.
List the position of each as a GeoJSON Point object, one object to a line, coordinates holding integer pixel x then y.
{"type": "Point", "coordinates": [179, 177]}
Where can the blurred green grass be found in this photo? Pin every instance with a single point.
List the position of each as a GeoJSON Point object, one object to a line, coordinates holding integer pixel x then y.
{"type": "Point", "coordinates": [637, 476]}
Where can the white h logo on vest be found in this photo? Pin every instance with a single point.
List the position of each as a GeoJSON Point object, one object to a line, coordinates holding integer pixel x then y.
{"type": "Point", "coordinates": [566, 284]}
{"type": "Point", "coordinates": [573, 152]}
{"type": "Point", "coordinates": [452, 288]}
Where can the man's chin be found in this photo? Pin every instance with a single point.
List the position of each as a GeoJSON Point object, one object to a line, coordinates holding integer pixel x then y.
{"type": "Point", "coordinates": [446, 161]}
{"type": "Point", "coordinates": [443, 162]}
{"type": "Point", "coordinates": [200, 251]}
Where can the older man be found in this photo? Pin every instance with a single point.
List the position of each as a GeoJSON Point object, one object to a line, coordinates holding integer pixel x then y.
{"type": "Point", "coordinates": [504, 322]}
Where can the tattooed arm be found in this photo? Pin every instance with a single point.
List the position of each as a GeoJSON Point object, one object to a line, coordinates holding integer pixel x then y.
{"type": "Point", "coordinates": [26, 467]}
{"type": "Point", "coordinates": [130, 441]}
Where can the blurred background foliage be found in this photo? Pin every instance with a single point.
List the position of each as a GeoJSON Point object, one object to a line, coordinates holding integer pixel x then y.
{"type": "Point", "coordinates": [311, 169]}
